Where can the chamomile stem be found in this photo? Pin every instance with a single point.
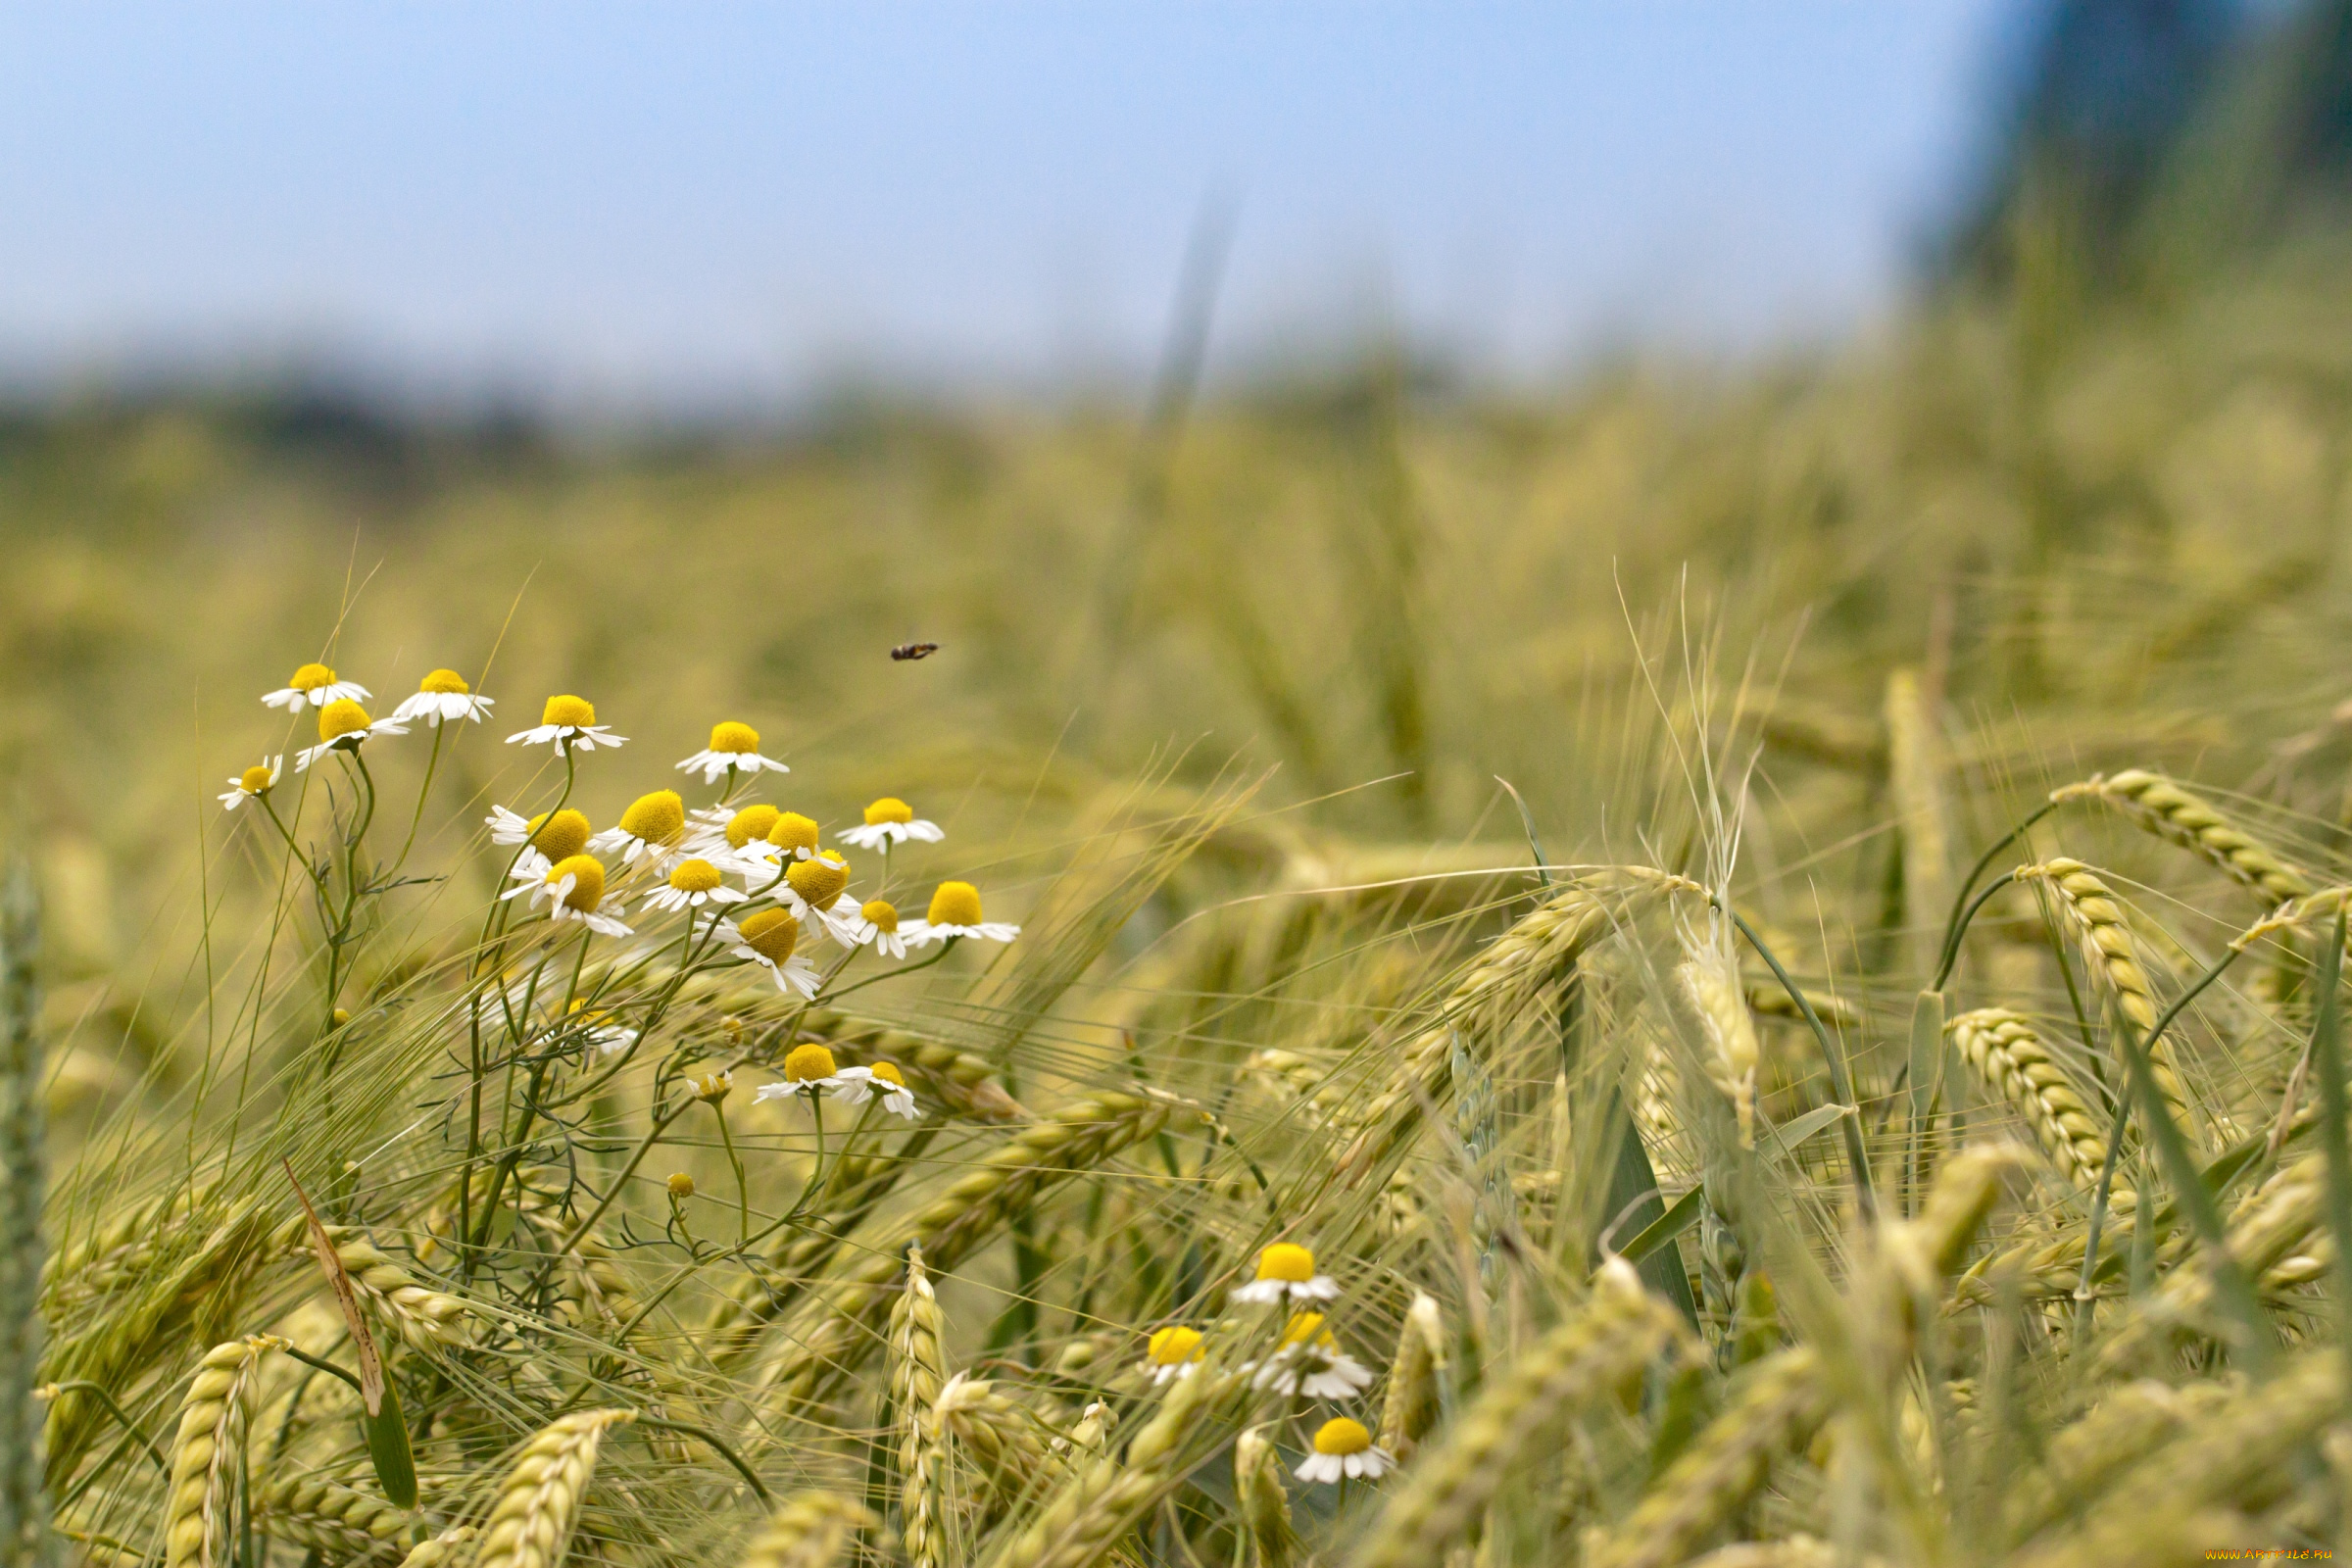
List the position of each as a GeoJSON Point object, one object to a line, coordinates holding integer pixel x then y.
{"type": "Point", "coordinates": [432, 763]}
{"type": "Point", "coordinates": [945, 948]}
{"type": "Point", "coordinates": [743, 1187]}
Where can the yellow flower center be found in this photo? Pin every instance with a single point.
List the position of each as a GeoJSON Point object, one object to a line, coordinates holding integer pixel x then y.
{"type": "Point", "coordinates": [889, 808]}
{"type": "Point", "coordinates": [577, 711]}
{"type": "Point", "coordinates": [560, 837]}
{"type": "Point", "coordinates": [1343, 1437]}
{"type": "Point", "coordinates": [587, 876]}
{"type": "Point", "coordinates": [1307, 1328]}
{"type": "Point", "coordinates": [341, 717]}
{"type": "Point", "coordinates": [889, 1073]}
{"type": "Point", "coordinates": [656, 818]}
{"type": "Point", "coordinates": [1286, 1261]}
{"type": "Point", "coordinates": [771, 933]}
{"type": "Point", "coordinates": [793, 831]}
{"type": "Point", "coordinates": [820, 880]}
{"type": "Point", "coordinates": [881, 915]}
{"type": "Point", "coordinates": [807, 1061]}
{"type": "Point", "coordinates": [444, 683]}
{"type": "Point", "coordinates": [681, 1185]}
{"type": "Point", "coordinates": [255, 780]}
{"type": "Point", "coordinates": [695, 876]}
{"type": "Point", "coordinates": [752, 822]}
{"type": "Point", "coordinates": [734, 737]}
{"type": "Point", "coordinates": [956, 903]}
{"type": "Point", "coordinates": [1175, 1345]}
{"type": "Point", "coordinates": [310, 677]}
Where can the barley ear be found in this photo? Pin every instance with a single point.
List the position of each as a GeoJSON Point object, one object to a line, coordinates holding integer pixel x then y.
{"type": "Point", "coordinates": [212, 1424]}
{"type": "Point", "coordinates": [917, 1371]}
{"type": "Point", "coordinates": [1264, 1502]}
{"type": "Point", "coordinates": [24, 1505]}
{"type": "Point", "coordinates": [1409, 1407]}
{"type": "Point", "coordinates": [808, 1531]}
{"type": "Point", "coordinates": [1709, 982]}
{"type": "Point", "coordinates": [440, 1551]}
{"type": "Point", "coordinates": [532, 1524]}
{"type": "Point", "coordinates": [2015, 1066]}
{"type": "Point", "coordinates": [336, 1521]}
{"type": "Point", "coordinates": [1775, 1410]}
{"type": "Point", "coordinates": [2089, 910]}
{"type": "Point", "coordinates": [1579, 1363]}
{"type": "Point", "coordinates": [2162, 808]}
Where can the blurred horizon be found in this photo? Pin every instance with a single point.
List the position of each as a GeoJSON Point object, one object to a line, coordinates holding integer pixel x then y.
{"type": "Point", "coordinates": [614, 212]}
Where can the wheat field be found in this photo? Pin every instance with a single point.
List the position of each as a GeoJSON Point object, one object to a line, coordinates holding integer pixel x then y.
{"type": "Point", "coordinates": [1729, 967]}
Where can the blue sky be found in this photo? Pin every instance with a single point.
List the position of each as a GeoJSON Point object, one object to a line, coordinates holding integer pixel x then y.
{"type": "Point", "coordinates": [618, 203]}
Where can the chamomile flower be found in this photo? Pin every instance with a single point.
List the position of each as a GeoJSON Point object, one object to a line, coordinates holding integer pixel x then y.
{"type": "Point", "coordinates": [812, 891]}
{"type": "Point", "coordinates": [654, 825]}
{"type": "Point", "coordinates": [693, 883]}
{"type": "Point", "coordinates": [808, 1068]}
{"type": "Point", "coordinates": [1344, 1447]}
{"type": "Point", "coordinates": [342, 725]}
{"type": "Point", "coordinates": [721, 831]}
{"type": "Point", "coordinates": [316, 685]}
{"type": "Point", "coordinates": [891, 820]}
{"type": "Point", "coordinates": [767, 937]}
{"type": "Point", "coordinates": [254, 783]}
{"type": "Point", "coordinates": [574, 889]}
{"type": "Point", "coordinates": [1287, 1271]}
{"type": "Point", "coordinates": [569, 723]}
{"type": "Point", "coordinates": [955, 913]}
{"type": "Point", "coordinates": [444, 695]}
{"type": "Point", "coordinates": [1174, 1352]}
{"type": "Point", "coordinates": [1309, 1361]}
{"type": "Point", "coordinates": [550, 835]}
{"type": "Point", "coordinates": [878, 923]}
{"type": "Point", "coordinates": [855, 1085]}
{"type": "Point", "coordinates": [733, 747]}
{"type": "Point", "coordinates": [789, 837]}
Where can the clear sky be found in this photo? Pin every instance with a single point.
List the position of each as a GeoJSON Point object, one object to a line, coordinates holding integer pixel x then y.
{"type": "Point", "coordinates": [685, 202]}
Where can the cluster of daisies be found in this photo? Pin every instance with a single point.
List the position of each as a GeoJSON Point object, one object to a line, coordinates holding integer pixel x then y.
{"type": "Point", "coordinates": [1306, 1361]}
{"type": "Point", "coordinates": [750, 877]}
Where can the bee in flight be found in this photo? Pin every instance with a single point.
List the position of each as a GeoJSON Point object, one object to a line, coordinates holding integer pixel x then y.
{"type": "Point", "coordinates": [907, 651]}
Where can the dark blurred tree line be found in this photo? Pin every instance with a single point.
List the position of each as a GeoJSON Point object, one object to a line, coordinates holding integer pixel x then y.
{"type": "Point", "coordinates": [2153, 142]}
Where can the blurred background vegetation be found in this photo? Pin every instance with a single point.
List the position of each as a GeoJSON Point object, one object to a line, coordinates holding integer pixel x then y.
{"type": "Point", "coordinates": [2089, 493]}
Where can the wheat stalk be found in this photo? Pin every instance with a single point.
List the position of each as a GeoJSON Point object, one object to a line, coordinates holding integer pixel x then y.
{"type": "Point", "coordinates": [211, 1420]}
{"type": "Point", "coordinates": [1580, 1361]}
{"type": "Point", "coordinates": [532, 1524]}
{"type": "Point", "coordinates": [2162, 808]}
{"type": "Point", "coordinates": [2090, 910]}
{"type": "Point", "coordinates": [2014, 1064]}
{"type": "Point", "coordinates": [808, 1531]}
